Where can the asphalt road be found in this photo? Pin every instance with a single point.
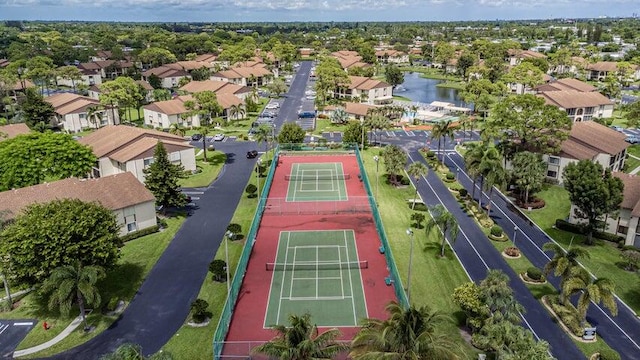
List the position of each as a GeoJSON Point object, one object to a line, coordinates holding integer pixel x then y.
{"type": "Point", "coordinates": [621, 332]}
{"type": "Point", "coordinates": [477, 256]}
{"type": "Point", "coordinates": [11, 334]}
{"type": "Point", "coordinates": [162, 303]}
{"type": "Point", "coordinates": [294, 100]}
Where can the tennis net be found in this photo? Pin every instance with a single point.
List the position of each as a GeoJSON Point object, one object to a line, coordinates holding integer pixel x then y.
{"type": "Point", "coordinates": [317, 266]}
{"type": "Point", "coordinates": [317, 177]}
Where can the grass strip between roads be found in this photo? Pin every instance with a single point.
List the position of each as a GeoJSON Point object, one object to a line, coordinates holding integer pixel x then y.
{"type": "Point", "coordinates": [208, 170]}
{"type": "Point", "coordinates": [138, 257]}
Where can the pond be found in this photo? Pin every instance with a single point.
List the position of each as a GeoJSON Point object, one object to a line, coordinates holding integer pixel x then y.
{"type": "Point", "coordinates": [425, 91]}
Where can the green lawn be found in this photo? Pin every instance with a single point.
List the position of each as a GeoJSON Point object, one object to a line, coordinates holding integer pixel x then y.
{"type": "Point", "coordinates": [323, 125]}
{"type": "Point", "coordinates": [137, 258]}
{"type": "Point", "coordinates": [195, 343]}
{"type": "Point", "coordinates": [603, 255]}
{"type": "Point", "coordinates": [634, 150]}
{"type": "Point", "coordinates": [208, 170]}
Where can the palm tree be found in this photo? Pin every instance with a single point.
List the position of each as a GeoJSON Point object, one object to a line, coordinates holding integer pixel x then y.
{"type": "Point", "coordinates": [444, 221]}
{"type": "Point", "coordinates": [73, 284]}
{"type": "Point", "coordinates": [301, 341]}
{"type": "Point", "coordinates": [489, 160]}
{"type": "Point", "coordinates": [177, 129]}
{"type": "Point", "coordinates": [598, 291]}
{"type": "Point", "coordinates": [472, 158]}
{"type": "Point", "coordinates": [416, 170]}
{"type": "Point", "coordinates": [407, 334]}
{"type": "Point", "coordinates": [498, 296]}
{"type": "Point", "coordinates": [237, 111]}
{"type": "Point", "coordinates": [339, 116]}
{"type": "Point", "coordinates": [204, 131]}
{"type": "Point", "coordinates": [440, 131]}
{"type": "Point", "coordinates": [129, 351]}
{"type": "Point", "coordinates": [498, 176]}
{"type": "Point", "coordinates": [264, 135]}
{"type": "Point", "coordinates": [95, 114]}
{"type": "Point", "coordinates": [563, 261]}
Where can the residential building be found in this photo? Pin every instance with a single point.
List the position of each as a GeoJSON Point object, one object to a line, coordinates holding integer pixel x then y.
{"type": "Point", "coordinates": [131, 202]}
{"type": "Point", "coordinates": [516, 56]}
{"type": "Point", "coordinates": [625, 222]}
{"type": "Point", "coordinates": [12, 130]}
{"type": "Point", "coordinates": [162, 114]}
{"type": "Point", "coordinates": [72, 112]}
{"type": "Point", "coordinates": [366, 90]}
{"type": "Point", "coordinates": [95, 91]}
{"type": "Point", "coordinates": [349, 59]}
{"type": "Point", "coordinates": [588, 141]}
{"type": "Point", "coordinates": [169, 76]}
{"type": "Point", "coordinates": [566, 84]}
{"type": "Point", "coordinates": [356, 111]}
{"type": "Point", "coordinates": [124, 148]}
{"type": "Point", "coordinates": [600, 70]}
{"type": "Point", "coordinates": [107, 69]}
{"type": "Point", "coordinates": [218, 87]}
{"type": "Point", "coordinates": [392, 56]}
{"type": "Point", "coordinates": [89, 77]}
{"type": "Point", "coordinates": [244, 76]}
{"type": "Point", "coordinates": [580, 106]}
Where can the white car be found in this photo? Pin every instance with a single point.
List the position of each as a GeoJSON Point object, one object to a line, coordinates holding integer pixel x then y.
{"type": "Point", "coordinates": [272, 106]}
{"type": "Point", "coordinates": [218, 137]}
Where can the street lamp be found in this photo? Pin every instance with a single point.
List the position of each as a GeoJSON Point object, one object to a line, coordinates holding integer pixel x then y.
{"type": "Point", "coordinates": [410, 233]}
{"type": "Point", "coordinates": [362, 125]}
{"type": "Point", "coordinates": [228, 236]}
{"type": "Point", "coordinates": [376, 158]}
{"type": "Point", "coordinates": [515, 232]}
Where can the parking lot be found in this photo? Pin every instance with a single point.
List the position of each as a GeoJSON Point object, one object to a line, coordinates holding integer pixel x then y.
{"type": "Point", "coordinates": [11, 334]}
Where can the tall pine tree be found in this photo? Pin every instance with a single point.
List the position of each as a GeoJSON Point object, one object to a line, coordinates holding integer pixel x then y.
{"type": "Point", "coordinates": [161, 178]}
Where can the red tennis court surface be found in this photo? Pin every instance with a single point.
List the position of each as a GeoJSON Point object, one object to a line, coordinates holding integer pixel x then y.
{"type": "Point", "coordinates": [247, 324]}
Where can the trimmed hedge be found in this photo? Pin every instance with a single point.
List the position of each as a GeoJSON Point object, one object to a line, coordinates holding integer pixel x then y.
{"type": "Point", "coordinates": [463, 192]}
{"type": "Point", "coordinates": [450, 176]}
{"type": "Point", "coordinates": [140, 233]}
{"type": "Point", "coordinates": [580, 229]}
{"type": "Point", "coordinates": [568, 315]}
{"type": "Point", "coordinates": [496, 231]}
{"type": "Point", "coordinates": [534, 273]}
{"type": "Point", "coordinates": [608, 354]}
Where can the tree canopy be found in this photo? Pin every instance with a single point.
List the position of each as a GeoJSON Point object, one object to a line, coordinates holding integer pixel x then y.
{"type": "Point", "coordinates": [161, 178]}
{"type": "Point", "coordinates": [32, 158]}
{"type": "Point", "coordinates": [291, 133]}
{"type": "Point", "coordinates": [60, 233]}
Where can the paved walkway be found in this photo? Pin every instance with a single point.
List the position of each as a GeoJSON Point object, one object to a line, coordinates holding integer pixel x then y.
{"type": "Point", "coordinates": [68, 330]}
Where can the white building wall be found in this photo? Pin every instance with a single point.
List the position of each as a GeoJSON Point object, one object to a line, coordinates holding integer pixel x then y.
{"type": "Point", "coordinates": [144, 215]}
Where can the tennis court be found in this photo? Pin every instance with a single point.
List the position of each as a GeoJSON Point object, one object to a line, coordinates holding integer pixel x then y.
{"type": "Point", "coordinates": [317, 272]}
{"type": "Point", "coordinates": [317, 182]}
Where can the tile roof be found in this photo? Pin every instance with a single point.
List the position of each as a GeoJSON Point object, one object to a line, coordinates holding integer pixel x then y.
{"type": "Point", "coordinates": [365, 83]}
{"type": "Point", "coordinates": [113, 192]}
{"type": "Point", "coordinates": [68, 103]}
{"type": "Point", "coordinates": [18, 85]}
{"type": "Point", "coordinates": [357, 108]}
{"type": "Point", "coordinates": [216, 86]}
{"type": "Point", "coordinates": [588, 139]}
{"type": "Point", "coordinates": [522, 54]}
{"type": "Point", "coordinates": [631, 192]}
{"type": "Point", "coordinates": [389, 53]}
{"type": "Point", "coordinates": [13, 130]}
{"type": "Point", "coordinates": [144, 148]}
{"type": "Point", "coordinates": [111, 138]}
{"type": "Point", "coordinates": [606, 66]}
{"type": "Point", "coordinates": [243, 72]}
{"type": "Point", "coordinates": [189, 65]}
{"type": "Point", "coordinates": [571, 99]}
{"type": "Point", "coordinates": [207, 57]}
{"type": "Point", "coordinates": [165, 72]}
{"type": "Point", "coordinates": [169, 107]}
{"type": "Point", "coordinates": [566, 84]}
{"type": "Point", "coordinates": [145, 85]}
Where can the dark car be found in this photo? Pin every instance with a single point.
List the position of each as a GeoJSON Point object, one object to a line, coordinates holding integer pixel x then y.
{"type": "Point", "coordinates": [196, 137]}
{"type": "Point", "coordinates": [632, 139]}
{"type": "Point", "coordinates": [252, 154]}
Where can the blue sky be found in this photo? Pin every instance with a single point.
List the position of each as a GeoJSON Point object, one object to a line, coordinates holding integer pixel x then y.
{"type": "Point", "coordinates": [310, 10]}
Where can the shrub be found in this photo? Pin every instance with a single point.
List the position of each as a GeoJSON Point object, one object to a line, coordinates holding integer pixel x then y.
{"type": "Point", "coordinates": [534, 273]}
{"type": "Point", "coordinates": [450, 176]}
{"type": "Point", "coordinates": [219, 270]}
{"type": "Point", "coordinates": [463, 192]}
{"type": "Point", "coordinates": [496, 231]}
{"type": "Point", "coordinates": [162, 222]}
{"type": "Point", "coordinates": [568, 315]}
{"type": "Point", "coordinates": [199, 310]}
{"type": "Point", "coordinates": [404, 181]}
{"type": "Point", "coordinates": [234, 228]}
{"type": "Point", "coordinates": [512, 251]}
{"type": "Point", "coordinates": [608, 354]}
{"type": "Point", "coordinates": [431, 154]}
{"type": "Point", "coordinates": [112, 304]}
{"type": "Point", "coordinates": [140, 233]}
{"type": "Point", "coordinates": [251, 190]}
{"type": "Point", "coordinates": [580, 229]}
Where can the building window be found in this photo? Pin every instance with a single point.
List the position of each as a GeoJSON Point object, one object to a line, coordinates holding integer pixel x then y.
{"type": "Point", "coordinates": [130, 219]}
{"type": "Point", "coordinates": [148, 162]}
{"type": "Point", "coordinates": [623, 229]}
{"type": "Point", "coordinates": [554, 160]}
{"type": "Point", "coordinates": [571, 111]}
{"type": "Point", "coordinates": [552, 174]}
{"type": "Point", "coordinates": [174, 156]}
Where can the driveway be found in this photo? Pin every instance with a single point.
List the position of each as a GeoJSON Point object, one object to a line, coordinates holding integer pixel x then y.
{"type": "Point", "coordinates": [477, 256]}
{"type": "Point", "coordinates": [161, 305]}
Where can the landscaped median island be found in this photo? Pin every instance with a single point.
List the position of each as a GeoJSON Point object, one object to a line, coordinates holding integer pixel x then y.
{"type": "Point", "coordinates": [533, 277]}
{"type": "Point", "coordinates": [137, 258]}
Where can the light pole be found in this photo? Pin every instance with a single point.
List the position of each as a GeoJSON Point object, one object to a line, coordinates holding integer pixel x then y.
{"type": "Point", "coordinates": [362, 125]}
{"type": "Point", "coordinates": [410, 233]}
{"type": "Point", "coordinates": [228, 235]}
{"type": "Point", "coordinates": [376, 159]}
{"type": "Point", "coordinates": [515, 232]}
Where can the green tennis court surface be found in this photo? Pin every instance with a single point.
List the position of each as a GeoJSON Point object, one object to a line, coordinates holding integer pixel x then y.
{"type": "Point", "coordinates": [317, 272]}
{"type": "Point", "coordinates": [317, 182]}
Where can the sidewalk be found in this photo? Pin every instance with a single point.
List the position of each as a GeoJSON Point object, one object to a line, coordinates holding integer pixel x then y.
{"type": "Point", "coordinates": [68, 330]}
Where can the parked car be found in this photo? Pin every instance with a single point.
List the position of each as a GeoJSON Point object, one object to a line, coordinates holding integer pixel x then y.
{"type": "Point", "coordinates": [196, 137]}
{"type": "Point", "coordinates": [633, 139]}
{"type": "Point", "coordinates": [218, 137]}
{"type": "Point", "coordinates": [269, 114]}
{"type": "Point", "coordinates": [617, 128]}
{"type": "Point", "coordinates": [253, 131]}
{"type": "Point", "coordinates": [272, 106]}
{"type": "Point", "coordinates": [252, 154]}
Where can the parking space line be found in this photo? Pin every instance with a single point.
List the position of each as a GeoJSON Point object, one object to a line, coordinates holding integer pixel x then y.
{"type": "Point", "coordinates": [409, 133]}
{"type": "Point", "coordinates": [390, 133]}
{"type": "Point", "coordinates": [23, 323]}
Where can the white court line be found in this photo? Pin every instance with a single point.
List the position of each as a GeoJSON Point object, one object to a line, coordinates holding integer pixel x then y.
{"type": "Point", "coordinates": [286, 255]}
{"type": "Point", "coordinates": [317, 269]}
{"type": "Point", "coordinates": [353, 303]}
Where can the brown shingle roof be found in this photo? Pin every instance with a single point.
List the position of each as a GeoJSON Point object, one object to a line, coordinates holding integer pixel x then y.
{"type": "Point", "coordinates": [571, 99]}
{"type": "Point", "coordinates": [13, 130]}
{"type": "Point", "coordinates": [523, 54]}
{"type": "Point", "coordinates": [631, 192]}
{"type": "Point", "coordinates": [144, 148]}
{"type": "Point", "coordinates": [365, 83]}
{"type": "Point", "coordinates": [207, 57]}
{"type": "Point", "coordinates": [215, 86]}
{"type": "Point", "coordinates": [588, 138]}
{"type": "Point", "coordinates": [113, 192]}
{"type": "Point", "coordinates": [165, 72]}
{"type": "Point", "coordinates": [109, 139]}
{"type": "Point", "coordinates": [67, 103]}
{"type": "Point", "coordinates": [357, 108]}
{"type": "Point", "coordinates": [566, 84]}
{"type": "Point", "coordinates": [169, 107]}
